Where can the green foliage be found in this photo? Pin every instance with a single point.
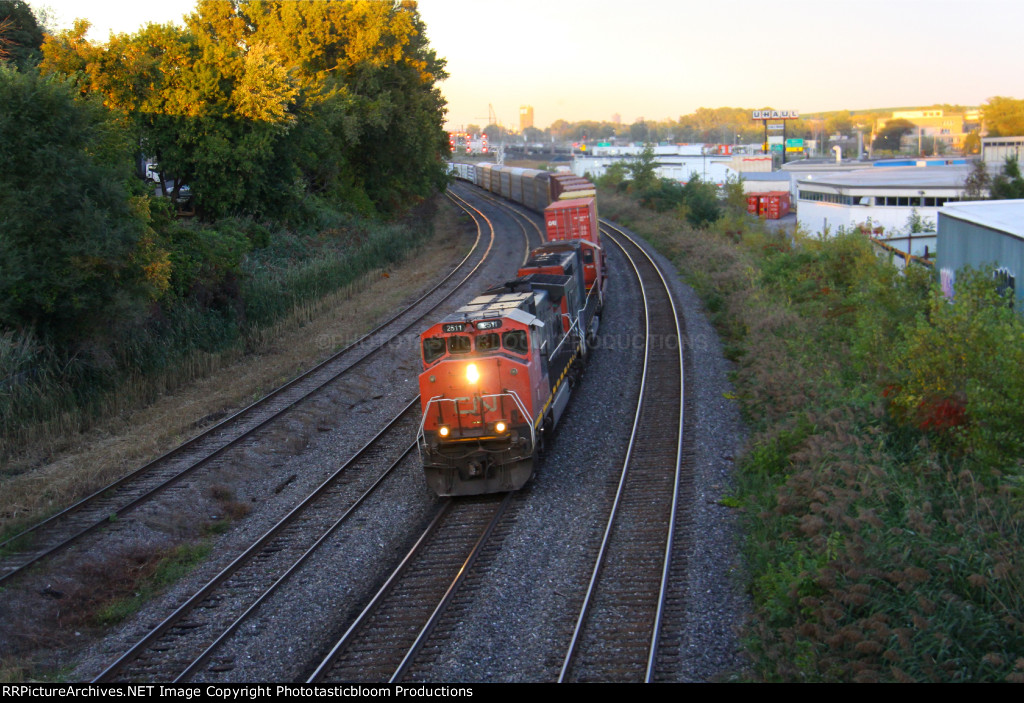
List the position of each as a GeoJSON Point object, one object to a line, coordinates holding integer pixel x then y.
{"type": "Point", "coordinates": [701, 202]}
{"type": "Point", "coordinates": [1009, 184]}
{"type": "Point", "coordinates": [978, 184]}
{"type": "Point", "coordinates": [258, 105]}
{"type": "Point", "coordinates": [917, 224]}
{"type": "Point", "coordinates": [888, 137]}
{"type": "Point", "coordinates": [136, 588]}
{"type": "Point", "coordinates": [1004, 117]}
{"type": "Point", "coordinates": [71, 235]}
{"type": "Point", "coordinates": [614, 176]}
{"type": "Point", "coordinates": [642, 169]}
{"type": "Point", "coordinates": [882, 536]}
{"type": "Point", "coordinates": [735, 199]}
{"type": "Point", "coordinates": [20, 34]}
{"type": "Point", "coordinates": [276, 115]}
{"type": "Point", "coordinates": [955, 375]}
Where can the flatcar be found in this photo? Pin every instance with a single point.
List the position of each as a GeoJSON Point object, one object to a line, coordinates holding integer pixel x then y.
{"type": "Point", "coordinates": [497, 374]}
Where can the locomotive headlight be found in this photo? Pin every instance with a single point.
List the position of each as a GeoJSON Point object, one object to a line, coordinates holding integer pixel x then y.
{"type": "Point", "coordinates": [500, 427]}
{"type": "Point", "coordinates": [472, 375]}
{"type": "Point", "coordinates": [443, 431]}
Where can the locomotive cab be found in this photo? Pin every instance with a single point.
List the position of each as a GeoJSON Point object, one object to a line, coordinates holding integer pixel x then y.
{"type": "Point", "coordinates": [480, 394]}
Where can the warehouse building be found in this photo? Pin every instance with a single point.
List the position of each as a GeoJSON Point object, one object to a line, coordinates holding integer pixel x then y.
{"type": "Point", "coordinates": [886, 197]}
{"type": "Point", "coordinates": [979, 234]}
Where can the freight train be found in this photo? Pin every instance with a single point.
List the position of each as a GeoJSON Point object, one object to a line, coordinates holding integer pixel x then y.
{"type": "Point", "coordinates": [498, 373]}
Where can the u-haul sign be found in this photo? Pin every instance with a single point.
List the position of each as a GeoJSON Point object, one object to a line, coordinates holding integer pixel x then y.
{"type": "Point", "coordinates": [776, 115]}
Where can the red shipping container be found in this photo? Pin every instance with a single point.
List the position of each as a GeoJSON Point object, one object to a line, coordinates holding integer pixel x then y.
{"type": "Point", "coordinates": [778, 204]}
{"type": "Point", "coordinates": [752, 200]}
{"type": "Point", "coordinates": [572, 219]}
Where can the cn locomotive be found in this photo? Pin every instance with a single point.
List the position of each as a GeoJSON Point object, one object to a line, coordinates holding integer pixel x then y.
{"type": "Point", "coordinates": [497, 373]}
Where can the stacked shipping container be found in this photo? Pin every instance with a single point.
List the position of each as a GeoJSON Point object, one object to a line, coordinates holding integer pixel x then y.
{"type": "Point", "coordinates": [772, 205]}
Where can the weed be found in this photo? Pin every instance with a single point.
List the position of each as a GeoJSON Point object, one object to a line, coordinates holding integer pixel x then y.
{"type": "Point", "coordinates": [116, 588]}
{"type": "Point", "coordinates": [882, 486]}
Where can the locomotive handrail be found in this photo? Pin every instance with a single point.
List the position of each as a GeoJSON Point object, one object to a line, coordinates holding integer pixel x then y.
{"type": "Point", "coordinates": [573, 324]}
{"type": "Point", "coordinates": [421, 437]}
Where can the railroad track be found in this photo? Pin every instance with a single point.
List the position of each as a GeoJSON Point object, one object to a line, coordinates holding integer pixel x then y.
{"type": "Point", "coordinates": [382, 642]}
{"type": "Point", "coordinates": [105, 507]}
{"type": "Point", "coordinates": [618, 628]}
{"type": "Point", "coordinates": [190, 636]}
{"type": "Point", "coordinates": [189, 640]}
{"type": "Point", "coordinates": [518, 216]}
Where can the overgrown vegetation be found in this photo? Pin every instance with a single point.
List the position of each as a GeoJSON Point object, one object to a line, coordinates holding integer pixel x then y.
{"type": "Point", "coordinates": [697, 202]}
{"type": "Point", "coordinates": [304, 132]}
{"type": "Point", "coordinates": [118, 587]}
{"type": "Point", "coordinates": [882, 488]}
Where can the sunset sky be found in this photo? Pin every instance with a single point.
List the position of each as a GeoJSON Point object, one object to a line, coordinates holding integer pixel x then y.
{"type": "Point", "coordinates": [662, 59]}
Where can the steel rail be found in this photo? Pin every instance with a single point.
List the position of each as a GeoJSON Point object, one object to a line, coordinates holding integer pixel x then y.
{"type": "Point", "coordinates": [110, 514]}
{"type": "Point", "coordinates": [599, 562]}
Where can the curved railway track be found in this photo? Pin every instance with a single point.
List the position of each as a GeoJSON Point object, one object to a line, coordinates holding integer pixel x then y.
{"type": "Point", "coordinates": [382, 642]}
{"type": "Point", "coordinates": [190, 637]}
{"type": "Point", "coordinates": [617, 631]}
{"type": "Point", "coordinates": [103, 507]}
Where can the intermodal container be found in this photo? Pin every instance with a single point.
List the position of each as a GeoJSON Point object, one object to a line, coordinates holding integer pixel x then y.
{"type": "Point", "coordinates": [572, 219]}
{"type": "Point", "coordinates": [753, 200]}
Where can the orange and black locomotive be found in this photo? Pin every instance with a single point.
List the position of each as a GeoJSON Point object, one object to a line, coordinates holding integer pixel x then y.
{"type": "Point", "coordinates": [497, 374]}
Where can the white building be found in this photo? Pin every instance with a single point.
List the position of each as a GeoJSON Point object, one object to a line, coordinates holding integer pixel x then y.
{"type": "Point", "coordinates": [995, 150]}
{"type": "Point", "coordinates": [885, 197]}
{"type": "Point", "coordinates": [677, 162]}
{"type": "Point", "coordinates": [681, 167]}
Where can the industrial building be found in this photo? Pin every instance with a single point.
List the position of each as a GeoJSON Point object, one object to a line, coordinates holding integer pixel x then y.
{"type": "Point", "coordinates": [678, 162]}
{"type": "Point", "coordinates": [885, 197]}
{"type": "Point", "coordinates": [979, 234]}
{"type": "Point", "coordinates": [996, 150]}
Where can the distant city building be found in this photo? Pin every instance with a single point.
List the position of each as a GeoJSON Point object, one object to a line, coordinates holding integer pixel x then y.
{"type": "Point", "coordinates": [948, 129]}
{"type": "Point", "coordinates": [525, 117]}
{"type": "Point", "coordinates": [617, 119]}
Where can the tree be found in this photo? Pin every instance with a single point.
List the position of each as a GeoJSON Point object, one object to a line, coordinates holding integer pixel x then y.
{"type": "Point", "coordinates": [614, 176]}
{"type": "Point", "coordinates": [1008, 185]}
{"type": "Point", "coordinates": [257, 104]}
{"type": "Point", "coordinates": [638, 131]}
{"type": "Point", "coordinates": [20, 34]}
{"type": "Point", "coordinates": [978, 183]}
{"type": "Point", "coordinates": [701, 199]}
{"type": "Point", "coordinates": [839, 123]}
{"type": "Point", "coordinates": [496, 134]}
{"type": "Point", "coordinates": [972, 143]}
{"type": "Point", "coordinates": [1003, 117]}
{"type": "Point", "coordinates": [75, 244]}
{"type": "Point", "coordinates": [888, 138]}
{"type": "Point", "coordinates": [533, 135]}
{"type": "Point", "coordinates": [643, 169]}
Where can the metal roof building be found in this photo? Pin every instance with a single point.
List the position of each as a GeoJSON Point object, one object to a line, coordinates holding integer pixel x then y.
{"type": "Point", "coordinates": [885, 196]}
{"type": "Point", "coordinates": [982, 233]}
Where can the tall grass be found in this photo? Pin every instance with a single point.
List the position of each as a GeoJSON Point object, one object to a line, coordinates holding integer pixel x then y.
{"type": "Point", "coordinates": [46, 398]}
{"type": "Point", "coordinates": [882, 544]}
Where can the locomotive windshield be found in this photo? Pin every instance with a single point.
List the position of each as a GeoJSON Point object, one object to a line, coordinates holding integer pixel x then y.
{"type": "Point", "coordinates": [458, 344]}
{"type": "Point", "coordinates": [515, 341]}
{"type": "Point", "coordinates": [433, 349]}
{"type": "Point", "coordinates": [487, 342]}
